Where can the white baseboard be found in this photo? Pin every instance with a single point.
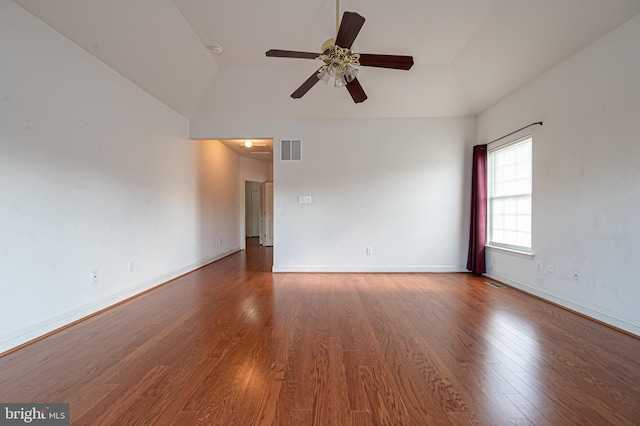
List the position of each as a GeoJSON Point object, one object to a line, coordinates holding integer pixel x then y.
{"type": "Point", "coordinates": [33, 332]}
{"type": "Point", "coordinates": [588, 311]}
{"type": "Point", "coordinates": [368, 268]}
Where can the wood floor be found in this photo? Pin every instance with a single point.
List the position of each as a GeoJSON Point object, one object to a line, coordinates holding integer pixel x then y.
{"type": "Point", "coordinates": [232, 344]}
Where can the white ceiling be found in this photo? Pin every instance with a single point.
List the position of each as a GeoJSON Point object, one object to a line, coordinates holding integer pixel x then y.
{"type": "Point", "coordinates": [468, 53]}
{"type": "Point", "coordinates": [261, 150]}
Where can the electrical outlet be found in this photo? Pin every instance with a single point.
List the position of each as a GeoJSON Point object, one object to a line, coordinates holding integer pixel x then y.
{"type": "Point", "coordinates": [539, 265]}
{"type": "Point", "coordinates": [94, 277]}
{"type": "Point", "coordinates": [220, 241]}
{"type": "Point", "coordinates": [576, 275]}
{"type": "Point", "coordinates": [550, 268]}
{"type": "Point", "coordinates": [131, 266]}
{"type": "Point", "coordinates": [369, 251]}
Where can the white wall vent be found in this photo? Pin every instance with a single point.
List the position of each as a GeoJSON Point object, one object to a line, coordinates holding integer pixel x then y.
{"type": "Point", "coordinates": [290, 149]}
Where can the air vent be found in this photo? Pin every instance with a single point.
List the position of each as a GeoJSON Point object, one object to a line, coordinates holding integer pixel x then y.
{"type": "Point", "coordinates": [492, 284]}
{"type": "Point", "coordinates": [290, 149]}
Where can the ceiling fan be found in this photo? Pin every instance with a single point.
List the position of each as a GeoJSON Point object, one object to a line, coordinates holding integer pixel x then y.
{"type": "Point", "coordinates": [340, 60]}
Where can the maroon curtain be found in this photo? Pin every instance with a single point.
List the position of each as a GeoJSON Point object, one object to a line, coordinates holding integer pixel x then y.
{"type": "Point", "coordinates": [477, 234]}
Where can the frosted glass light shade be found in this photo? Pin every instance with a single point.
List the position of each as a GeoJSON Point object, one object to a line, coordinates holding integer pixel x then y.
{"type": "Point", "coordinates": [324, 75]}
{"type": "Point", "coordinates": [350, 72]}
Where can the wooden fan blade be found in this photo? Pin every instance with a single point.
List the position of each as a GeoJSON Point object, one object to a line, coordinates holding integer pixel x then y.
{"type": "Point", "coordinates": [306, 86]}
{"type": "Point", "coordinates": [356, 91]}
{"type": "Point", "coordinates": [395, 62]}
{"type": "Point", "coordinates": [274, 53]}
{"type": "Point", "coordinates": [349, 29]}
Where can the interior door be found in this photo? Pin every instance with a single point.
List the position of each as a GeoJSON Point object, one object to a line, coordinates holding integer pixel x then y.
{"type": "Point", "coordinates": [255, 214]}
{"type": "Point", "coordinates": [267, 202]}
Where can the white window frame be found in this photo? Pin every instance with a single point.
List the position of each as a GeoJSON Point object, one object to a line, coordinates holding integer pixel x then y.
{"type": "Point", "coordinates": [490, 197]}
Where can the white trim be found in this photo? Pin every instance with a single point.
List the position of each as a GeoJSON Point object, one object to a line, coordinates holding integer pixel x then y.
{"type": "Point", "coordinates": [500, 144]}
{"type": "Point", "coordinates": [369, 268]}
{"type": "Point", "coordinates": [37, 330]}
{"type": "Point", "coordinates": [589, 311]}
{"type": "Point", "coordinates": [514, 252]}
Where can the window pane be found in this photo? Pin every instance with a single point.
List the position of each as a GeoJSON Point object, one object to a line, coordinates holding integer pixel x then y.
{"type": "Point", "coordinates": [510, 206]}
{"type": "Point", "coordinates": [510, 237]}
{"type": "Point", "coordinates": [524, 205]}
{"type": "Point", "coordinates": [510, 195]}
{"type": "Point", "coordinates": [524, 224]}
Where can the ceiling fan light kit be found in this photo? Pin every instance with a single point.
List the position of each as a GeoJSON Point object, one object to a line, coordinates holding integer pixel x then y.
{"type": "Point", "coordinates": [340, 62]}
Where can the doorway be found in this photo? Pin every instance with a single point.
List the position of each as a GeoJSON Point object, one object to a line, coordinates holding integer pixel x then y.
{"type": "Point", "coordinates": [253, 214]}
{"type": "Point", "coordinates": [259, 211]}
{"type": "Point", "coordinates": [253, 230]}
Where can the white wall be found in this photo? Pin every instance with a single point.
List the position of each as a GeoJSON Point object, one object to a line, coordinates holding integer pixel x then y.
{"type": "Point", "coordinates": [94, 173]}
{"type": "Point", "coordinates": [219, 199]}
{"type": "Point", "coordinates": [399, 186]}
{"type": "Point", "coordinates": [586, 180]}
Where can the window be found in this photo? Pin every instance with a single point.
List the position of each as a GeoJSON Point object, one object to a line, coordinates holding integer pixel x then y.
{"type": "Point", "coordinates": [509, 196]}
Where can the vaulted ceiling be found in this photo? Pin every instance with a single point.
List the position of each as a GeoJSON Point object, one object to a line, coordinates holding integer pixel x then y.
{"type": "Point", "coordinates": [468, 53]}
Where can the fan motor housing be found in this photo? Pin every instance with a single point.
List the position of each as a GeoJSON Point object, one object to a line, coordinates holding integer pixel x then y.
{"type": "Point", "coordinates": [327, 45]}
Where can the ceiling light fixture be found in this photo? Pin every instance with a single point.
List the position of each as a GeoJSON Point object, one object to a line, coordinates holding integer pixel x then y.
{"type": "Point", "coordinates": [340, 61]}
{"type": "Point", "coordinates": [339, 64]}
{"type": "Point", "coordinates": [248, 144]}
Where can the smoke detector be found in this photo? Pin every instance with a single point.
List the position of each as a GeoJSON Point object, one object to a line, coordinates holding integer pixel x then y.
{"type": "Point", "coordinates": [216, 49]}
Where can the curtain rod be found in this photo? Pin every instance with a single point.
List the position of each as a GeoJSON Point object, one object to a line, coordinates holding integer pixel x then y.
{"type": "Point", "coordinates": [502, 137]}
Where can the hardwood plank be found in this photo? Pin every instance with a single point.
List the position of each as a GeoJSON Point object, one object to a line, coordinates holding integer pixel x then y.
{"type": "Point", "coordinates": [236, 344]}
{"type": "Point", "coordinates": [301, 418]}
{"type": "Point", "coordinates": [301, 360]}
{"type": "Point", "coordinates": [361, 418]}
{"type": "Point", "coordinates": [129, 403]}
{"type": "Point", "coordinates": [266, 414]}
{"type": "Point", "coordinates": [418, 401]}
{"type": "Point", "coordinates": [355, 391]}
{"type": "Point", "coordinates": [340, 413]}
{"type": "Point", "coordinates": [385, 403]}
